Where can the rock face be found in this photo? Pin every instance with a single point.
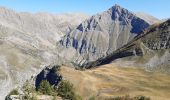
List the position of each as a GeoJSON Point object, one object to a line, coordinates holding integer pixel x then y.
{"type": "Point", "coordinates": [101, 34]}
{"type": "Point", "coordinates": [150, 50]}
{"type": "Point", "coordinates": [28, 43]}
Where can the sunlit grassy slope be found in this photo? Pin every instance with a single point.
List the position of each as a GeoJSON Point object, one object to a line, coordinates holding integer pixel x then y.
{"type": "Point", "coordinates": [111, 80]}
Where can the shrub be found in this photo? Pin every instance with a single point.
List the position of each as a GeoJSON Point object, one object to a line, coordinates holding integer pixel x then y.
{"type": "Point", "coordinates": [46, 88]}
{"type": "Point", "coordinates": [56, 68]}
{"type": "Point", "coordinates": [28, 88]}
{"type": "Point", "coordinates": [67, 91]}
{"type": "Point", "coordinates": [92, 98]}
{"type": "Point", "coordinates": [14, 92]}
{"type": "Point", "coordinates": [141, 98]}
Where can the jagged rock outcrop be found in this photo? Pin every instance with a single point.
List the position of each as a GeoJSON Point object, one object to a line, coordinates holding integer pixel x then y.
{"type": "Point", "coordinates": [101, 34]}
{"type": "Point", "coordinates": [150, 50]}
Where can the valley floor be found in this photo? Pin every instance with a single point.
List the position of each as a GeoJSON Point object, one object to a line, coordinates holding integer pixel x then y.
{"type": "Point", "coordinates": [110, 80]}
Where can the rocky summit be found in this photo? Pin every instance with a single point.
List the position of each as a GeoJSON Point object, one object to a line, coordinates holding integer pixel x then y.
{"type": "Point", "coordinates": [101, 34]}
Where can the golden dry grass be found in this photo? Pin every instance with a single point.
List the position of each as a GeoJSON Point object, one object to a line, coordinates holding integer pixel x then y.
{"type": "Point", "coordinates": [110, 80]}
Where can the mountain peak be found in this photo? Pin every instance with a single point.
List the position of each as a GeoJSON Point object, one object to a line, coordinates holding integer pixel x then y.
{"type": "Point", "coordinates": [116, 7]}
{"type": "Point", "coordinates": [118, 11]}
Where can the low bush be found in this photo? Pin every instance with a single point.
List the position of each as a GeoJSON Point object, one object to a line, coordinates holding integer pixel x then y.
{"type": "Point", "coordinates": [46, 88]}
{"type": "Point", "coordinates": [142, 98]}
{"type": "Point", "coordinates": [56, 68]}
{"type": "Point", "coordinates": [67, 91]}
{"type": "Point", "coordinates": [14, 92]}
{"type": "Point", "coordinates": [92, 98]}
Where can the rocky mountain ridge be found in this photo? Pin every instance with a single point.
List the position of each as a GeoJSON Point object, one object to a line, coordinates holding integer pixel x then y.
{"type": "Point", "coordinates": [150, 50]}
{"type": "Point", "coordinates": [101, 34]}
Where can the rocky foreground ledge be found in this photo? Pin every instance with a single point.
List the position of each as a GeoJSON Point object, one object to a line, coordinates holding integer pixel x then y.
{"type": "Point", "coordinates": [47, 85]}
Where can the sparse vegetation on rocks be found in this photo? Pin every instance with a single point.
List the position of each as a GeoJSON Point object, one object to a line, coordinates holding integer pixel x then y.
{"type": "Point", "coordinates": [63, 88]}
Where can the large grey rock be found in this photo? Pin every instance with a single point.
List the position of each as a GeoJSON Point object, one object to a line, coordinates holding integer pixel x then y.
{"type": "Point", "coordinates": [101, 34]}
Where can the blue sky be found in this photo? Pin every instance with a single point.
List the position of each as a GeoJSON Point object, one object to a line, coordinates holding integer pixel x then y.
{"type": "Point", "coordinates": [157, 8]}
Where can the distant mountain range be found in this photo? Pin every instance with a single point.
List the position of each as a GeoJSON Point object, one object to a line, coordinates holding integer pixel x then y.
{"type": "Point", "coordinates": [150, 19]}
